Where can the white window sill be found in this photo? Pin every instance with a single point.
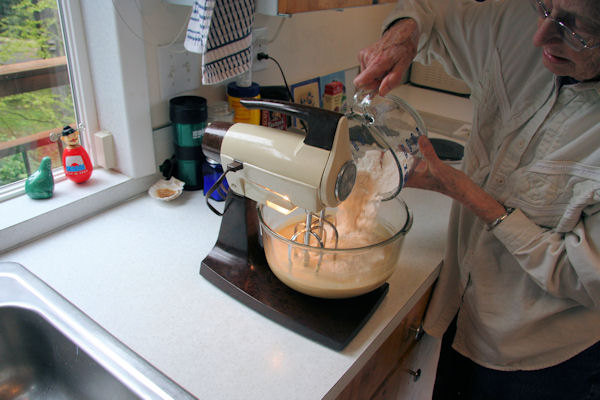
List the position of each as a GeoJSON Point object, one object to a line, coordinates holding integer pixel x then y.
{"type": "Point", "coordinates": [24, 219]}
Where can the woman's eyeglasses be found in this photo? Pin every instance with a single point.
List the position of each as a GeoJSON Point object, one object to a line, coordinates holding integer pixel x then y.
{"type": "Point", "coordinates": [575, 41]}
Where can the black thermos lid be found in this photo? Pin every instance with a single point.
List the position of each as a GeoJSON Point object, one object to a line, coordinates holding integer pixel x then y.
{"type": "Point", "coordinates": [188, 110]}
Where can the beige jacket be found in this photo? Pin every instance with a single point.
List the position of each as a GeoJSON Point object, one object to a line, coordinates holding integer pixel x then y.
{"type": "Point", "coordinates": [529, 290]}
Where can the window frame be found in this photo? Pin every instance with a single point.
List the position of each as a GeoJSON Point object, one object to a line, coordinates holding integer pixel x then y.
{"type": "Point", "coordinates": [117, 64]}
{"type": "Point", "coordinates": [107, 67]}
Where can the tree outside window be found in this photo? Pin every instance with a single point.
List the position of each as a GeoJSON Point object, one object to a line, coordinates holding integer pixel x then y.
{"type": "Point", "coordinates": [35, 95]}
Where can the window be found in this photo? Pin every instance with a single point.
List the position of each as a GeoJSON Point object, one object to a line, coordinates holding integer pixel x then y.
{"type": "Point", "coordinates": [35, 95]}
{"type": "Point", "coordinates": [107, 64]}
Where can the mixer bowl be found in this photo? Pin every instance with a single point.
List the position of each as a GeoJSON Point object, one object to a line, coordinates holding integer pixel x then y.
{"type": "Point", "coordinates": [335, 272]}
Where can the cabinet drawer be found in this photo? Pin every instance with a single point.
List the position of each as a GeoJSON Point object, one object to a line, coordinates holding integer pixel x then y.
{"type": "Point", "coordinates": [414, 376]}
{"type": "Point", "coordinates": [388, 356]}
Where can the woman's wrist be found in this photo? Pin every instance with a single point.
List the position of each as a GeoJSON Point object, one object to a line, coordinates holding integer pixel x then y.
{"type": "Point", "coordinates": [481, 203]}
{"type": "Point", "coordinates": [497, 221]}
{"type": "Point", "coordinates": [395, 22]}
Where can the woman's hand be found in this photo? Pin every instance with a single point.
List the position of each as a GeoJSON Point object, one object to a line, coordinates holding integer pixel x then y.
{"type": "Point", "coordinates": [431, 173]}
{"type": "Point", "coordinates": [383, 63]}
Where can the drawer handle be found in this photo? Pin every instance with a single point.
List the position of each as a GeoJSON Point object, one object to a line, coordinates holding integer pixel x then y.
{"type": "Point", "coordinates": [418, 332]}
{"type": "Point", "coordinates": [415, 374]}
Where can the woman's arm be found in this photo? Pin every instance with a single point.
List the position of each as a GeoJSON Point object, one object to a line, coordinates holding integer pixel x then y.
{"type": "Point", "coordinates": [566, 265]}
{"type": "Point", "coordinates": [432, 173]}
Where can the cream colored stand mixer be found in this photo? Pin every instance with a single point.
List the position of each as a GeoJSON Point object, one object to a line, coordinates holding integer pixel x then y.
{"type": "Point", "coordinates": [309, 173]}
{"type": "Point", "coordinates": [286, 169]}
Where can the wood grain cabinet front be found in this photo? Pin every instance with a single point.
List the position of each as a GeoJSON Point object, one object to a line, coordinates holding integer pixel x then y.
{"type": "Point", "coordinates": [382, 375]}
{"type": "Point", "coordinates": [288, 7]}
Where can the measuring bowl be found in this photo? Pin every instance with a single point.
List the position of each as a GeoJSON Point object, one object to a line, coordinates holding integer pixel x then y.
{"type": "Point", "coordinates": [340, 272]}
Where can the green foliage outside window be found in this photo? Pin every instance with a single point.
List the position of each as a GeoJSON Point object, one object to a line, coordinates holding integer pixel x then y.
{"type": "Point", "coordinates": [30, 30]}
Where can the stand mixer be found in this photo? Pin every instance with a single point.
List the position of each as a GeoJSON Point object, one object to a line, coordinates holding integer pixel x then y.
{"type": "Point", "coordinates": [286, 169]}
{"type": "Point", "coordinates": [295, 173]}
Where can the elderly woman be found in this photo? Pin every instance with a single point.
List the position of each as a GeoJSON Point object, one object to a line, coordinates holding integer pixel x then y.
{"type": "Point", "coordinates": [518, 297]}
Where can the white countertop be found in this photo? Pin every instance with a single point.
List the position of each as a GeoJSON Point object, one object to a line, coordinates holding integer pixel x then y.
{"type": "Point", "coordinates": [134, 269]}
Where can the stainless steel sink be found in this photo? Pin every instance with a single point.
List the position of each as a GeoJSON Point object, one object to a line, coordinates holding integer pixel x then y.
{"type": "Point", "coordinates": [49, 349]}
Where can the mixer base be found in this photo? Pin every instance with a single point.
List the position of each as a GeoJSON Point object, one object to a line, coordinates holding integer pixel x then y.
{"type": "Point", "coordinates": [237, 265]}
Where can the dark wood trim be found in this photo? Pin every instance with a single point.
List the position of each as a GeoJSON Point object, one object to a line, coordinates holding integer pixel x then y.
{"type": "Point", "coordinates": [33, 75]}
{"type": "Point", "coordinates": [296, 6]}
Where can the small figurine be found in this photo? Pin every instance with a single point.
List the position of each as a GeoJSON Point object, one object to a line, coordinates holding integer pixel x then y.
{"type": "Point", "coordinates": [76, 161]}
{"type": "Point", "coordinates": [40, 184]}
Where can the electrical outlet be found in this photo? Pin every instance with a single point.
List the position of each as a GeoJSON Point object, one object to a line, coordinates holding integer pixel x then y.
{"type": "Point", "coordinates": [178, 69]}
{"type": "Point", "coordinates": [259, 45]}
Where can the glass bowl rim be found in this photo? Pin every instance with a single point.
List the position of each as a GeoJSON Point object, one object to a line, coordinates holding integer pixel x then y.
{"type": "Point", "coordinates": [402, 232]}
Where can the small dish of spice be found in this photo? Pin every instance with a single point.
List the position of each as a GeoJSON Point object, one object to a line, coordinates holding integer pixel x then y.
{"type": "Point", "coordinates": [166, 190]}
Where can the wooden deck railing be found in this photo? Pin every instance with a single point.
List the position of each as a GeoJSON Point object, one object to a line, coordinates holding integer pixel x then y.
{"type": "Point", "coordinates": [33, 75]}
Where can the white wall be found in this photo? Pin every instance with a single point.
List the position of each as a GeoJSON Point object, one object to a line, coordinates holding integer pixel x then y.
{"type": "Point", "coordinates": [116, 64]}
{"type": "Point", "coordinates": [309, 45]}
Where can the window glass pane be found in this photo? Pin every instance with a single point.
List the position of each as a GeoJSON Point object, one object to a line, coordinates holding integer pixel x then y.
{"type": "Point", "coordinates": [35, 96]}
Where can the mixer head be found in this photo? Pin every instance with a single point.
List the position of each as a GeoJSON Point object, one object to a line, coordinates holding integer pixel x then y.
{"type": "Point", "coordinates": [286, 169]}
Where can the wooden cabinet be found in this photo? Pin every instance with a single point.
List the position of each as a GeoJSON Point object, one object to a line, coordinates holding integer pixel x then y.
{"type": "Point", "coordinates": [287, 7]}
{"type": "Point", "coordinates": [414, 376]}
{"type": "Point", "coordinates": [386, 373]}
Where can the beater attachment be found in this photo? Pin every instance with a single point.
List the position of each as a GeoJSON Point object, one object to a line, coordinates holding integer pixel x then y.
{"type": "Point", "coordinates": [317, 227]}
{"type": "Point", "coordinates": [316, 231]}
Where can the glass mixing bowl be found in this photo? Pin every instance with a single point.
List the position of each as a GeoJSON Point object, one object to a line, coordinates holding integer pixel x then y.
{"type": "Point", "coordinates": [335, 272]}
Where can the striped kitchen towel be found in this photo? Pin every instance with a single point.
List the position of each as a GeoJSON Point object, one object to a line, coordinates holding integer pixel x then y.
{"type": "Point", "coordinates": [221, 30]}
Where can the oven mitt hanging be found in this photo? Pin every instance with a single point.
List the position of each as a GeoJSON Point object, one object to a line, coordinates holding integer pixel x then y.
{"type": "Point", "coordinates": [221, 30]}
